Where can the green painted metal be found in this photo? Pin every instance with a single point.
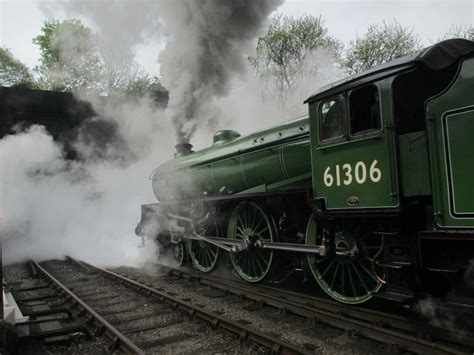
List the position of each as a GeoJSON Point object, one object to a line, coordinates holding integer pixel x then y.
{"type": "Point", "coordinates": [348, 279]}
{"type": "Point", "coordinates": [356, 171]}
{"type": "Point", "coordinates": [249, 222]}
{"type": "Point", "coordinates": [203, 254]}
{"type": "Point", "coordinates": [241, 164]}
{"type": "Point", "coordinates": [450, 128]}
{"type": "Point", "coordinates": [414, 164]}
{"type": "Point", "coordinates": [224, 136]}
{"type": "Point", "coordinates": [178, 252]}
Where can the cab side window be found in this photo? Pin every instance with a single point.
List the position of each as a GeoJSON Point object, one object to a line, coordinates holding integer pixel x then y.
{"type": "Point", "coordinates": [364, 110]}
{"type": "Point", "coordinates": [331, 119]}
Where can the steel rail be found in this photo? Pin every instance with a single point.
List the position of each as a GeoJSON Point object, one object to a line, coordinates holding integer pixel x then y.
{"type": "Point", "coordinates": [119, 340]}
{"type": "Point", "coordinates": [277, 346]}
{"type": "Point", "coordinates": [348, 318]}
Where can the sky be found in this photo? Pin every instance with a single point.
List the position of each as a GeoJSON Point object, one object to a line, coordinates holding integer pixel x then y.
{"type": "Point", "coordinates": [21, 20]}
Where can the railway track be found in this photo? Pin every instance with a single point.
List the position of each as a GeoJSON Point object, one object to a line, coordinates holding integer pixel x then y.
{"type": "Point", "coordinates": [120, 341]}
{"type": "Point", "coordinates": [403, 332]}
{"type": "Point", "coordinates": [409, 333]}
{"type": "Point", "coordinates": [148, 314]}
{"type": "Point", "coordinates": [141, 319]}
{"type": "Point", "coordinates": [44, 321]}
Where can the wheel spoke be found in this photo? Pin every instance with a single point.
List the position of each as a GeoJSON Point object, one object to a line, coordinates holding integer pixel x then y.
{"type": "Point", "coordinates": [360, 277]}
{"type": "Point", "coordinates": [335, 274]}
{"type": "Point", "coordinates": [369, 273]}
{"type": "Point", "coordinates": [342, 279]}
{"type": "Point", "coordinates": [327, 269]}
{"type": "Point", "coordinates": [352, 281]}
{"type": "Point", "coordinates": [258, 224]}
{"type": "Point", "coordinates": [258, 259]}
{"type": "Point", "coordinates": [254, 218]}
{"type": "Point", "coordinates": [240, 223]}
{"type": "Point", "coordinates": [317, 261]}
{"type": "Point", "coordinates": [259, 233]}
{"type": "Point", "coordinates": [255, 266]}
{"type": "Point", "coordinates": [244, 219]}
{"type": "Point", "coordinates": [265, 260]}
{"type": "Point", "coordinates": [205, 258]}
{"type": "Point", "coordinates": [248, 217]}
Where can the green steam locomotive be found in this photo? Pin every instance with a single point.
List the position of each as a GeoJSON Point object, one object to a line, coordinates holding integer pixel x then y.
{"type": "Point", "coordinates": [373, 192]}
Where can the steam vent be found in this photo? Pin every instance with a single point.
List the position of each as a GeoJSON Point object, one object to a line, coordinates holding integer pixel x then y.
{"type": "Point", "coordinates": [183, 149]}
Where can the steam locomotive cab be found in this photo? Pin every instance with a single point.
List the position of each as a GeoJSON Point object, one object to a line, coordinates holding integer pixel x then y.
{"type": "Point", "coordinates": [373, 191]}
{"type": "Point", "coordinates": [386, 147]}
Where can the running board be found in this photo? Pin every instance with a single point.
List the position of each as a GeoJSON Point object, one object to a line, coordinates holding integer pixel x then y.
{"type": "Point", "coordinates": [396, 264]}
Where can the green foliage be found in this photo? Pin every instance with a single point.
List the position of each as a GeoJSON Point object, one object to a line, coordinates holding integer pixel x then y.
{"type": "Point", "coordinates": [290, 50]}
{"type": "Point", "coordinates": [380, 44]}
{"type": "Point", "coordinates": [73, 58]}
{"type": "Point", "coordinates": [465, 32]}
{"type": "Point", "coordinates": [13, 72]}
{"type": "Point", "coordinates": [70, 59]}
{"type": "Point", "coordinates": [143, 85]}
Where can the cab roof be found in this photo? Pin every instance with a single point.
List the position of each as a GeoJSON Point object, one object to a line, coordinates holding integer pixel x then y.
{"type": "Point", "coordinates": [435, 57]}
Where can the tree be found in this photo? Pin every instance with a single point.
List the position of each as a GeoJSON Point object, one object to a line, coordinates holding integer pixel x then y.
{"type": "Point", "coordinates": [13, 72]}
{"type": "Point", "coordinates": [466, 32]}
{"type": "Point", "coordinates": [144, 85]}
{"type": "Point", "coordinates": [120, 71]}
{"type": "Point", "coordinates": [381, 44]}
{"type": "Point", "coordinates": [70, 58]}
{"type": "Point", "coordinates": [293, 48]}
{"type": "Point", "coordinates": [74, 58]}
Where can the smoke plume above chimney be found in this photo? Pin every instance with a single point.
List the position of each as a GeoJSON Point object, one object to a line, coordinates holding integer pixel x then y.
{"type": "Point", "coordinates": [208, 42]}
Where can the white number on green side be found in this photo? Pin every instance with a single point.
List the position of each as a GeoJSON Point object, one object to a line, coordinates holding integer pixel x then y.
{"type": "Point", "coordinates": [348, 171]}
{"type": "Point", "coordinates": [328, 179]}
{"type": "Point", "coordinates": [360, 174]}
{"type": "Point", "coordinates": [375, 173]}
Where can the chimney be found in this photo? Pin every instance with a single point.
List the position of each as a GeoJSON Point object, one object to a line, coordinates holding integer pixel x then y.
{"type": "Point", "coordinates": [183, 149]}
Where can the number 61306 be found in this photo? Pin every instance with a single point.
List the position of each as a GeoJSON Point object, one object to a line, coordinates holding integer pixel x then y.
{"type": "Point", "coordinates": [347, 174]}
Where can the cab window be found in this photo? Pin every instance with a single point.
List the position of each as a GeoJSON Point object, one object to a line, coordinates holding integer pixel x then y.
{"type": "Point", "coordinates": [364, 113]}
{"type": "Point", "coordinates": [331, 119]}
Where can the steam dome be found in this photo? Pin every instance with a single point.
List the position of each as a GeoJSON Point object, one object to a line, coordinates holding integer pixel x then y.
{"type": "Point", "coordinates": [224, 136]}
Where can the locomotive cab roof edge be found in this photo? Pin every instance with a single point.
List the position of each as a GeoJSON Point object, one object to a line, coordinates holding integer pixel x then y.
{"type": "Point", "coordinates": [435, 57]}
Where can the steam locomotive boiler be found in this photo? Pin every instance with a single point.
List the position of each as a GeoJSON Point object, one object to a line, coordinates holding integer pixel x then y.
{"type": "Point", "coordinates": [373, 192]}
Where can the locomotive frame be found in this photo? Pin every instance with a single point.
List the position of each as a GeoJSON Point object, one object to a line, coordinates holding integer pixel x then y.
{"type": "Point", "coordinates": [374, 187]}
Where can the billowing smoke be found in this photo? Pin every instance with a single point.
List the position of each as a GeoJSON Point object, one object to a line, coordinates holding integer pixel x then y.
{"type": "Point", "coordinates": [52, 207]}
{"type": "Point", "coordinates": [208, 41]}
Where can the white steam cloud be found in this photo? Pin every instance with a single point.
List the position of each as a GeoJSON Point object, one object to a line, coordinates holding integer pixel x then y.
{"type": "Point", "coordinates": [52, 207]}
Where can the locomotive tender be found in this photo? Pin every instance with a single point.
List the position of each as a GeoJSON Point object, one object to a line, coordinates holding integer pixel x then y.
{"type": "Point", "coordinates": [373, 192]}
